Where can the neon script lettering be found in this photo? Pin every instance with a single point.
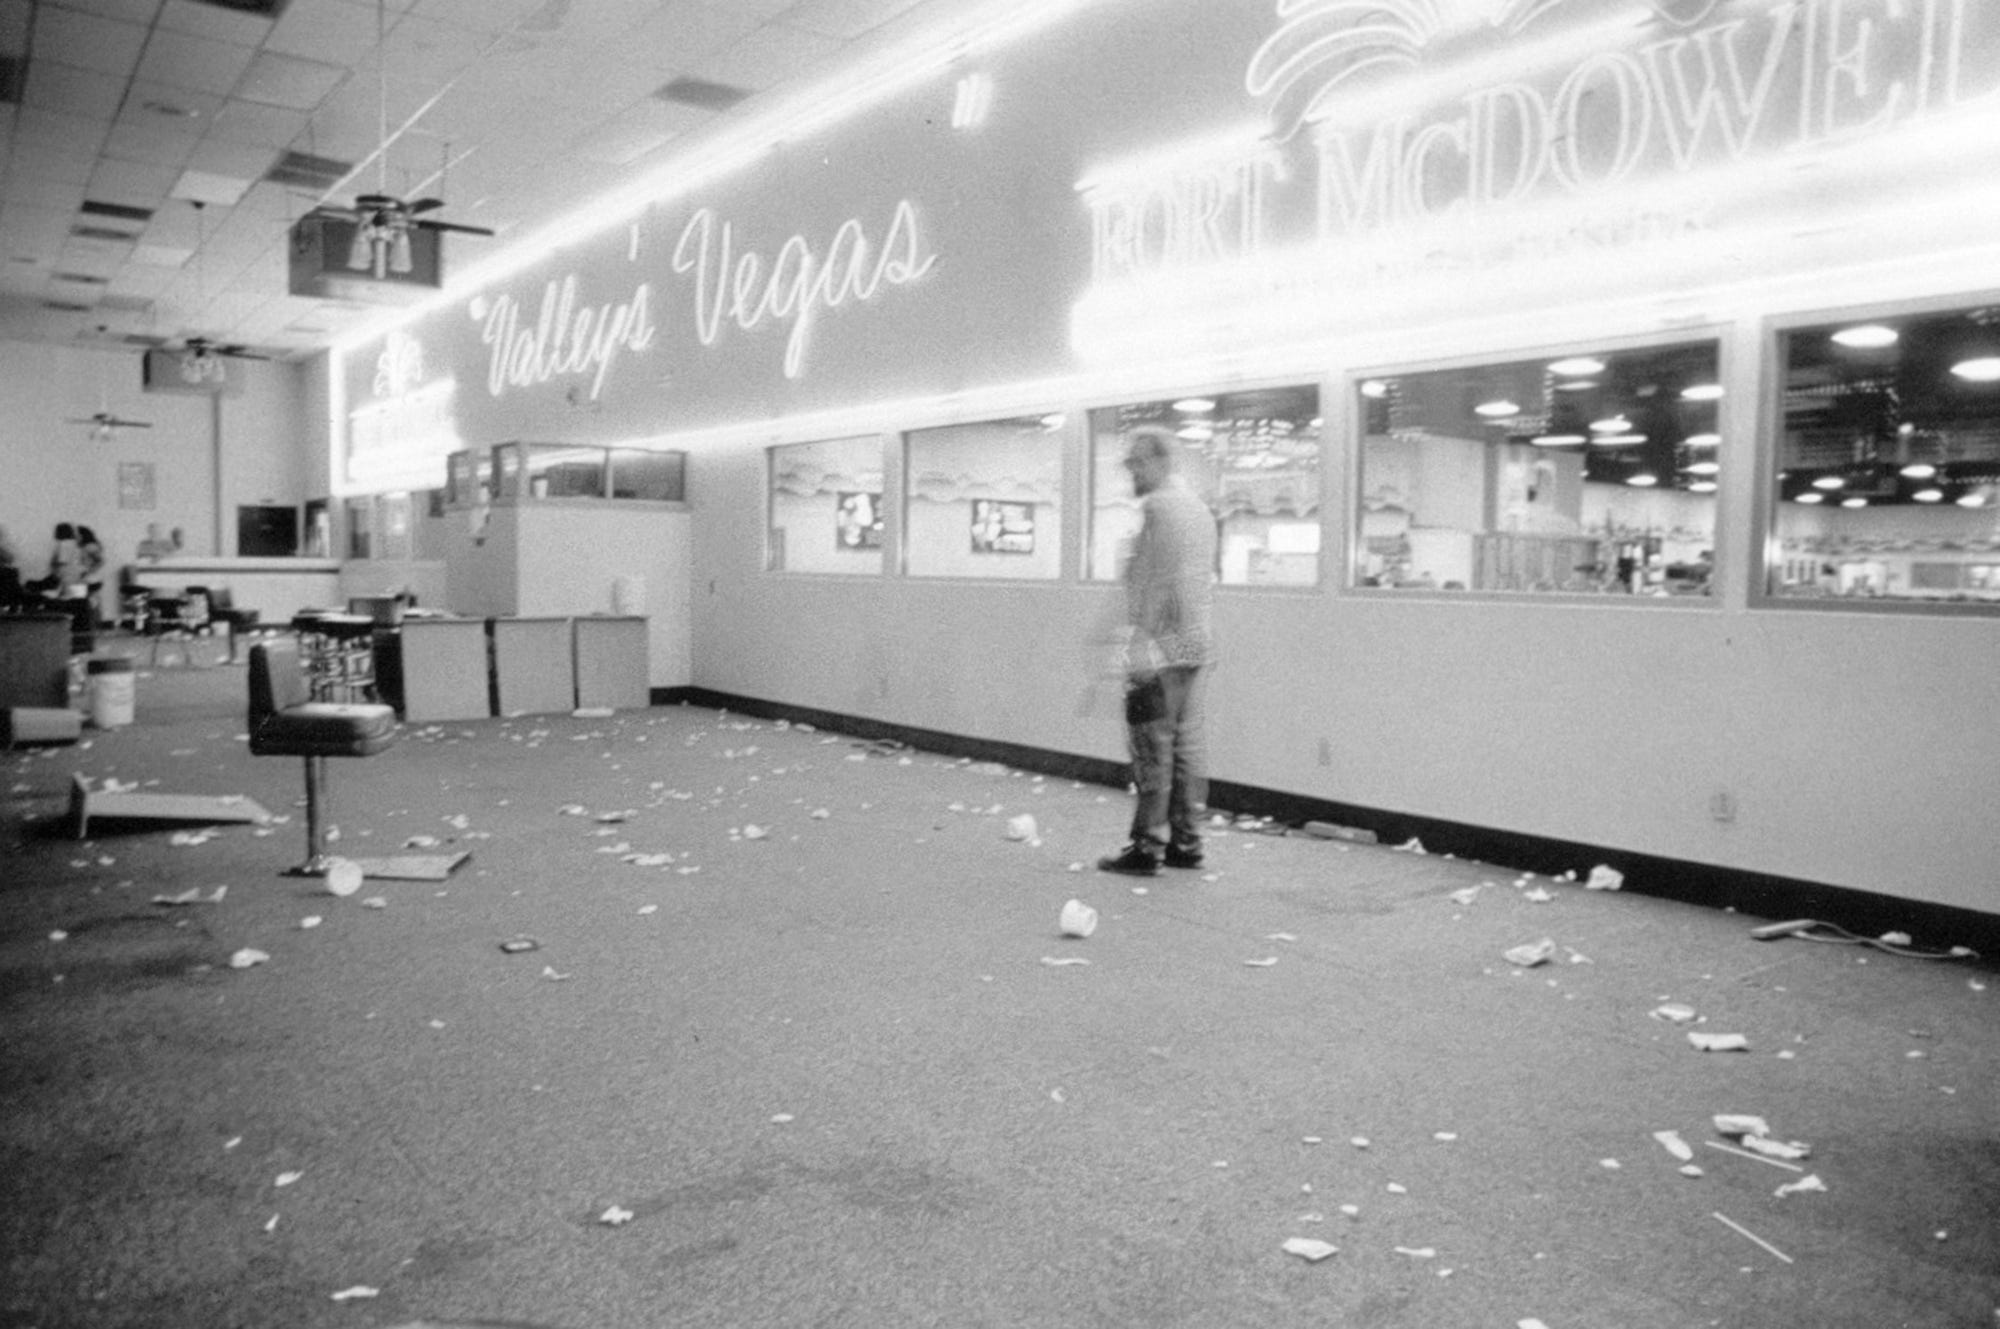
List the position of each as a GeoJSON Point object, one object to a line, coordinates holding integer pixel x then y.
{"type": "Point", "coordinates": [798, 283]}
{"type": "Point", "coordinates": [565, 340]}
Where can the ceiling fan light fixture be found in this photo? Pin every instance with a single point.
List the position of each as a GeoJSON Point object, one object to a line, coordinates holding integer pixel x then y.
{"type": "Point", "coordinates": [399, 251]}
{"type": "Point", "coordinates": [361, 253]}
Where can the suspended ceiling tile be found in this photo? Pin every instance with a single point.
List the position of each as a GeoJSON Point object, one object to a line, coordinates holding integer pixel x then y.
{"type": "Point", "coordinates": [132, 183]}
{"type": "Point", "coordinates": [14, 16]}
{"type": "Point", "coordinates": [683, 35]}
{"type": "Point", "coordinates": [285, 80]}
{"type": "Point", "coordinates": [242, 121]}
{"type": "Point", "coordinates": [72, 91]}
{"type": "Point", "coordinates": [760, 11]}
{"type": "Point", "coordinates": [158, 145]}
{"type": "Point", "coordinates": [217, 23]}
{"type": "Point", "coordinates": [70, 37]}
{"type": "Point", "coordinates": [845, 19]}
{"type": "Point", "coordinates": [131, 11]}
{"type": "Point", "coordinates": [337, 33]}
{"type": "Point", "coordinates": [24, 220]}
{"type": "Point", "coordinates": [211, 187]}
{"type": "Point", "coordinates": [767, 57]}
{"type": "Point", "coordinates": [158, 256]}
{"type": "Point", "coordinates": [193, 62]}
{"type": "Point", "coordinates": [163, 104]}
{"type": "Point", "coordinates": [488, 16]}
{"type": "Point", "coordinates": [35, 162]}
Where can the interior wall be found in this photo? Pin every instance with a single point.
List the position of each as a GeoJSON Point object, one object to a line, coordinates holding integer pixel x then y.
{"type": "Point", "coordinates": [1599, 722]}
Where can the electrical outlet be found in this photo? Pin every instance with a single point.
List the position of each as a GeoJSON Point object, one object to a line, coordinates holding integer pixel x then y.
{"type": "Point", "coordinates": [1722, 805]}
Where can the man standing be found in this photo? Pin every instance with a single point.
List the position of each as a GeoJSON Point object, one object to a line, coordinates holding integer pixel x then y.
{"type": "Point", "coordinates": [1169, 585]}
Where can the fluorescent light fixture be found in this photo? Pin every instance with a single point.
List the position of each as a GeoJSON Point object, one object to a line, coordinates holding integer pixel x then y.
{"type": "Point", "coordinates": [1498, 409]}
{"type": "Point", "coordinates": [1195, 433]}
{"type": "Point", "coordinates": [1919, 470]}
{"type": "Point", "coordinates": [1643, 480]}
{"type": "Point", "coordinates": [1576, 385]}
{"type": "Point", "coordinates": [1702, 392]}
{"type": "Point", "coordinates": [1931, 494]}
{"type": "Point", "coordinates": [1703, 440]}
{"type": "Point", "coordinates": [1701, 486]}
{"type": "Point", "coordinates": [1703, 467]}
{"type": "Point", "coordinates": [1830, 482]}
{"type": "Point", "coordinates": [1975, 499]}
{"type": "Point", "coordinates": [1866, 336]}
{"type": "Point", "coordinates": [1854, 501]}
{"type": "Point", "coordinates": [1557, 440]}
{"type": "Point", "coordinates": [1611, 424]}
{"type": "Point", "coordinates": [1979, 369]}
{"type": "Point", "coordinates": [1577, 366]}
{"type": "Point", "coordinates": [1194, 406]}
{"type": "Point", "coordinates": [1374, 388]}
{"type": "Point", "coordinates": [1053, 421]}
{"type": "Point", "coordinates": [1810, 497]}
{"type": "Point", "coordinates": [1618, 440]}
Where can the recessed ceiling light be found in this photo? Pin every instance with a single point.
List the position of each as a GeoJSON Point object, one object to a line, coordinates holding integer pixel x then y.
{"type": "Point", "coordinates": [1498, 409]}
{"type": "Point", "coordinates": [1374, 387]}
{"type": "Point", "coordinates": [1979, 369]}
{"type": "Point", "coordinates": [1577, 366]}
{"type": "Point", "coordinates": [1643, 480]}
{"type": "Point", "coordinates": [1703, 440]}
{"type": "Point", "coordinates": [1919, 470]}
{"type": "Point", "coordinates": [1930, 495]}
{"type": "Point", "coordinates": [1830, 482]}
{"type": "Point", "coordinates": [1703, 467]}
{"type": "Point", "coordinates": [1194, 406]}
{"type": "Point", "coordinates": [1866, 336]}
{"type": "Point", "coordinates": [1854, 501]}
{"type": "Point", "coordinates": [1973, 500]}
{"type": "Point", "coordinates": [1611, 424]}
{"type": "Point", "coordinates": [1701, 486]}
{"type": "Point", "coordinates": [1702, 392]}
{"type": "Point", "coordinates": [1195, 433]}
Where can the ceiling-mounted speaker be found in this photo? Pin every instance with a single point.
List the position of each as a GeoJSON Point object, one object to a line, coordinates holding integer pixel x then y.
{"type": "Point", "coordinates": [322, 247]}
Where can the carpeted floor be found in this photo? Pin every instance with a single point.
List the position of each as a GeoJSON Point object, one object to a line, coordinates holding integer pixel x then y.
{"type": "Point", "coordinates": [793, 1048]}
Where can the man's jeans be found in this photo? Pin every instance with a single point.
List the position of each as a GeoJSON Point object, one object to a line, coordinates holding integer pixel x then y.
{"type": "Point", "coordinates": [1163, 718]}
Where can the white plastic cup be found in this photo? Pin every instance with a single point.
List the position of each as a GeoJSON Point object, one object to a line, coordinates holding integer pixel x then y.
{"type": "Point", "coordinates": [111, 692]}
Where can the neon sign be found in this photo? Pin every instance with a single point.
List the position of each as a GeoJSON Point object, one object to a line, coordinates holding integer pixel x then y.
{"type": "Point", "coordinates": [798, 282]}
{"type": "Point", "coordinates": [565, 340]}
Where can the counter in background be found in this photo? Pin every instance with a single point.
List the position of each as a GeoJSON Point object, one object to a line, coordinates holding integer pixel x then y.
{"type": "Point", "coordinates": [277, 588]}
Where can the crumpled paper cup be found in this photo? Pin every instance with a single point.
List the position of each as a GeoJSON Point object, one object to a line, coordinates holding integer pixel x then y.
{"type": "Point", "coordinates": [1078, 919]}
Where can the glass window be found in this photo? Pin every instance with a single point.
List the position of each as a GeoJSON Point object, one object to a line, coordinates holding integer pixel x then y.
{"type": "Point", "coordinates": [360, 526]}
{"type": "Point", "coordinates": [1587, 472]}
{"type": "Point", "coordinates": [1253, 456]}
{"type": "Point", "coordinates": [826, 506]}
{"type": "Point", "coordinates": [556, 471]}
{"type": "Point", "coordinates": [985, 500]}
{"type": "Point", "coordinates": [1888, 484]}
{"type": "Point", "coordinates": [639, 473]}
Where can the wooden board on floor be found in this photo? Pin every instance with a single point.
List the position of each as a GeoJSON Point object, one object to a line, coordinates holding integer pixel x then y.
{"type": "Point", "coordinates": [199, 809]}
{"type": "Point", "coordinates": [411, 867]}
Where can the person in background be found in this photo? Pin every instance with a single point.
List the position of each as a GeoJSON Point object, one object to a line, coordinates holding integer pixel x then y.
{"type": "Point", "coordinates": [65, 579]}
{"type": "Point", "coordinates": [11, 592]}
{"type": "Point", "coordinates": [1169, 590]}
{"type": "Point", "coordinates": [155, 546]}
{"type": "Point", "coordinates": [91, 560]}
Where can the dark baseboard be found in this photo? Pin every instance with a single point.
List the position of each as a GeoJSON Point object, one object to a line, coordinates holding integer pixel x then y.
{"type": "Point", "coordinates": [1756, 895]}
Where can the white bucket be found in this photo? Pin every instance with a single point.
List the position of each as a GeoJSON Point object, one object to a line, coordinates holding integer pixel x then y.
{"type": "Point", "coordinates": [111, 692]}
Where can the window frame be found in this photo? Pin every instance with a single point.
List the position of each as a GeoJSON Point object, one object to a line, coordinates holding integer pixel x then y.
{"type": "Point", "coordinates": [1765, 538]}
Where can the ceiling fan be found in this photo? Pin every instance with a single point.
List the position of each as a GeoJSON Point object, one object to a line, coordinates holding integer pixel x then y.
{"type": "Point", "coordinates": [383, 222]}
{"type": "Point", "coordinates": [200, 359]}
{"type": "Point", "coordinates": [104, 423]}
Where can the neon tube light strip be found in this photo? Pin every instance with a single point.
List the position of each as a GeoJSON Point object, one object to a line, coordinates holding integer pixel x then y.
{"type": "Point", "coordinates": [818, 108]}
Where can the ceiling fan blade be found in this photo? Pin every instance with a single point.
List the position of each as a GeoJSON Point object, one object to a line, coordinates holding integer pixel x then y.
{"type": "Point", "coordinates": [430, 225]}
{"type": "Point", "coordinates": [238, 353]}
{"type": "Point", "coordinates": [424, 205]}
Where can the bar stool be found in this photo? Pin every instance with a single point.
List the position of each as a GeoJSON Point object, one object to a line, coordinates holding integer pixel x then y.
{"type": "Point", "coordinates": [339, 652]}
{"type": "Point", "coordinates": [286, 722]}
